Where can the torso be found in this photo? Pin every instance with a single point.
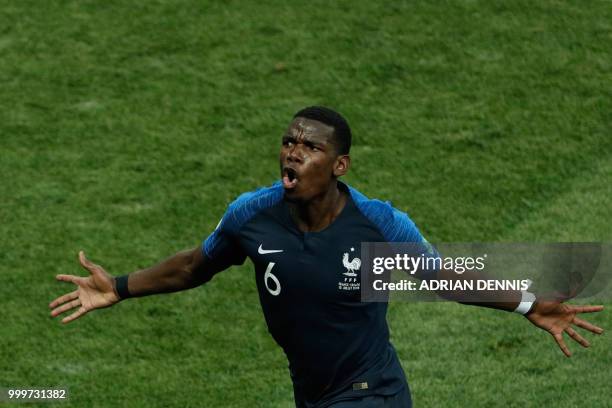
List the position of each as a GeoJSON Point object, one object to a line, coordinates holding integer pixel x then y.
{"type": "Point", "coordinates": [309, 288]}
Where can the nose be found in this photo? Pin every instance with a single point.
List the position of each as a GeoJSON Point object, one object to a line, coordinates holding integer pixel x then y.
{"type": "Point", "coordinates": [294, 154]}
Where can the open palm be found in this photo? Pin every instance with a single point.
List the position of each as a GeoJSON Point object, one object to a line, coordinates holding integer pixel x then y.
{"type": "Point", "coordinates": [93, 292]}
{"type": "Point", "coordinates": [557, 318]}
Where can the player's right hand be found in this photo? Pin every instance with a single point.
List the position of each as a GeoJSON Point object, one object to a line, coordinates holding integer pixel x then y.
{"type": "Point", "coordinates": [93, 292]}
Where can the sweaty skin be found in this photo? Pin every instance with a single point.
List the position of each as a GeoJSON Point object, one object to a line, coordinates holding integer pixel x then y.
{"type": "Point", "coordinates": [309, 153]}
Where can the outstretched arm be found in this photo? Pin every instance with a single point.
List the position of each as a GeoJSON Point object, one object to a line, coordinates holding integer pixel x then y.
{"type": "Point", "coordinates": [185, 270]}
{"type": "Point", "coordinates": [554, 317]}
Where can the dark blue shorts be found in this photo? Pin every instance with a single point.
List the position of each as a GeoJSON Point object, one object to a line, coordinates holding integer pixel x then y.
{"type": "Point", "coordinates": [400, 400]}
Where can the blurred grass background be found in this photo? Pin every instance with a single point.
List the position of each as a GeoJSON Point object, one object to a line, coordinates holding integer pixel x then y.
{"type": "Point", "coordinates": [125, 130]}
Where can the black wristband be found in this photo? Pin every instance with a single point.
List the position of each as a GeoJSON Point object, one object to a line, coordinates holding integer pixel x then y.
{"type": "Point", "coordinates": [121, 284]}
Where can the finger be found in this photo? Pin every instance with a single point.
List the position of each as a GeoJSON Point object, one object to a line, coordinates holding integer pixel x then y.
{"type": "Point", "coordinates": [64, 299]}
{"type": "Point", "coordinates": [65, 306]}
{"type": "Point", "coordinates": [587, 309]}
{"type": "Point", "coordinates": [572, 333]}
{"type": "Point", "coordinates": [67, 278]}
{"type": "Point", "coordinates": [87, 264]}
{"type": "Point", "coordinates": [75, 315]}
{"type": "Point", "coordinates": [559, 339]}
{"type": "Point", "coordinates": [587, 326]}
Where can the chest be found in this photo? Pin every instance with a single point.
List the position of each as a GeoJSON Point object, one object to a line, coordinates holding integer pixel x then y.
{"type": "Point", "coordinates": [291, 265]}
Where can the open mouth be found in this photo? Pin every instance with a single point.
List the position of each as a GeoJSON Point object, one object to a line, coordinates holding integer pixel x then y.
{"type": "Point", "coordinates": [289, 178]}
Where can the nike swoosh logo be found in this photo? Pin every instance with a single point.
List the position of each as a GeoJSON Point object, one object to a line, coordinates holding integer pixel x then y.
{"type": "Point", "coordinates": [262, 251]}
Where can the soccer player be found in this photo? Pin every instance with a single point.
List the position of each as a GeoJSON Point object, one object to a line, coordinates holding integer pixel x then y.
{"type": "Point", "coordinates": [303, 235]}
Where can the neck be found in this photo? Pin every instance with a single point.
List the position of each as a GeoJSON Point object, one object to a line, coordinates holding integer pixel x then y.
{"type": "Point", "coordinates": [319, 212]}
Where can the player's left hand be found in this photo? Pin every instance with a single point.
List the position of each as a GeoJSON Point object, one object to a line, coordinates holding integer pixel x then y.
{"type": "Point", "coordinates": [556, 318]}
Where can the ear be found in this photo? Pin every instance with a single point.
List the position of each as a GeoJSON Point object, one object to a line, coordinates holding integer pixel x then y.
{"type": "Point", "coordinates": [342, 165]}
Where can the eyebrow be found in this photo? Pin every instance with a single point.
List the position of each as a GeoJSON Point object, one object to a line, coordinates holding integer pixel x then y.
{"type": "Point", "coordinates": [305, 140]}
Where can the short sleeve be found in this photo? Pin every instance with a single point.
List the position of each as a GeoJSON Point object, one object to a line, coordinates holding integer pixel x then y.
{"type": "Point", "coordinates": [404, 230]}
{"type": "Point", "coordinates": [393, 224]}
{"type": "Point", "coordinates": [401, 228]}
{"type": "Point", "coordinates": [222, 247]}
{"type": "Point", "coordinates": [397, 227]}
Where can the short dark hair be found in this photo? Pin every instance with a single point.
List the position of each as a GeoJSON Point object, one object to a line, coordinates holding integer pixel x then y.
{"type": "Point", "coordinates": [342, 131]}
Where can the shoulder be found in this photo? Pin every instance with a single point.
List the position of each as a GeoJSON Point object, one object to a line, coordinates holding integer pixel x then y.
{"type": "Point", "coordinates": [249, 204]}
{"type": "Point", "coordinates": [395, 225]}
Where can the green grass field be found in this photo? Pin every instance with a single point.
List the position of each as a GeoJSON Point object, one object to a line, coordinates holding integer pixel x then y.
{"type": "Point", "coordinates": [126, 129]}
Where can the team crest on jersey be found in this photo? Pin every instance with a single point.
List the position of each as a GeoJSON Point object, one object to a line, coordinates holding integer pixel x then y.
{"type": "Point", "coordinates": [349, 280]}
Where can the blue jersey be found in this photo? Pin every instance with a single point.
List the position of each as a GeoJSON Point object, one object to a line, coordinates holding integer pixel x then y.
{"type": "Point", "coordinates": [309, 288]}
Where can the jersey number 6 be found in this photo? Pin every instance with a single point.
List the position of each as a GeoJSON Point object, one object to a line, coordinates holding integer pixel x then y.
{"type": "Point", "coordinates": [270, 276]}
